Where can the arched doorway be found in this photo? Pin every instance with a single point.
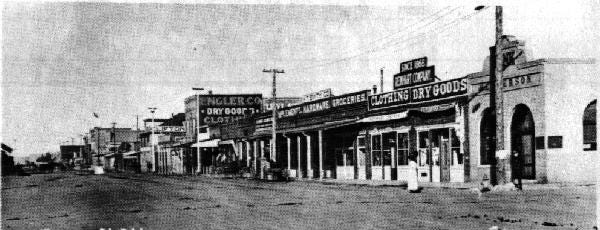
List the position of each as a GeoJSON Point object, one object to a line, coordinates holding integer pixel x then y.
{"type": "Point", "coordinates": [522, 140]}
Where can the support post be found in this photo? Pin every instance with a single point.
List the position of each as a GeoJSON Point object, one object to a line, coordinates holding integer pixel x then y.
{"type": "Point", "coordinates": [320, 154]}
{"type": "Point", "coordinates": [289, 153]}
{"type": "Point", "coordinates": [298, 151]}
{"type": "Point", "coordinates": [309, 171]}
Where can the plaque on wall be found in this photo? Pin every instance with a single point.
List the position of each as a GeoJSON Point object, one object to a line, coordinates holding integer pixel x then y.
{"type": "Point", "coordinates": [554, 142]}
{"type": "Point", "coordinates": [539, 142]}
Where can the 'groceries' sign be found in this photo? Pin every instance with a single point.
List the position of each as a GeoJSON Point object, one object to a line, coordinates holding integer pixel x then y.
{"type": "Point", "coordinates": [438, 90]}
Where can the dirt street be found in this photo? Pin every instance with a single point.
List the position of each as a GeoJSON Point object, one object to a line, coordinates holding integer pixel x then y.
{"type": "Point", "coordinates": [71, 201]}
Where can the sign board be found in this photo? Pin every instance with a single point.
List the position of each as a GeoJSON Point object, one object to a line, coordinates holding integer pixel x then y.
{"type": "Point", "coordinates": [280, 102]}
{"type": "Point", "coordinates": [324, 104]}
{"type": "Point", "coordinates": [178, 129]}
{"type": "Point", "coordinates": [216, 109]}
{"type": "Point", "coordinates": [413, 64]}
{"type": "Point", "coordinates": [414, 77]}
{"type": "Point", "coordinates": [421, 93]}
{"type": "Point", "coordinates": [414, 72]}
{"type": "Point", "coordinates": [326, 93]}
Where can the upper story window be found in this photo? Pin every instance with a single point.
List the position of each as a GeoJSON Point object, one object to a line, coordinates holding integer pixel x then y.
{"type": "Point", "coordinates": [590, 127]}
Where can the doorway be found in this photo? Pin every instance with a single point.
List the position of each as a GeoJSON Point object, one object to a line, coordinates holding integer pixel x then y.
{"type": "Point", "coordinates": [522, 140]}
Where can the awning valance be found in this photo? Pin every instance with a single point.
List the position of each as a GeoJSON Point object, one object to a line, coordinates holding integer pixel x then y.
{"type": "Point", "coordinates": [386, 117]}
{"type": "Point", "coordinates": [207, 144]}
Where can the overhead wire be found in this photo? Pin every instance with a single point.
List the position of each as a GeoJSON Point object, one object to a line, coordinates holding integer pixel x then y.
{"type": "Point", "coordinates": [437, 29]}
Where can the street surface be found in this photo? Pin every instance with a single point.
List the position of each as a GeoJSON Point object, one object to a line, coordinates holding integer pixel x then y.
{"type": "Point", "coordinates": [71, 201]}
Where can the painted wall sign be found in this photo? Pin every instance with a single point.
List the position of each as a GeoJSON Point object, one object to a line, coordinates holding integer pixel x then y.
{"type": "Point", "coordinates": [421, 93]}
{"type": "Point", "coordinates": [321, 94]}
{"type": "Point", "coordinates": [216, 109]}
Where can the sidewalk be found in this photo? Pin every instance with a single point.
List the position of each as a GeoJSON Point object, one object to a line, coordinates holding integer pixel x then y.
{"type": "Point", "coordinates": [527, 185]}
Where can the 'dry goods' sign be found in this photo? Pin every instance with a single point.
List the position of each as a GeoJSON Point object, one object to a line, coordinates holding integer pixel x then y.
{"type": "Point", "coordinates": [438, 90]}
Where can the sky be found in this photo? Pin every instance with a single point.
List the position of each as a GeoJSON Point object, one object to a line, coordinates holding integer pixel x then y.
{"type": "Point", "coordinates": [63, 61]}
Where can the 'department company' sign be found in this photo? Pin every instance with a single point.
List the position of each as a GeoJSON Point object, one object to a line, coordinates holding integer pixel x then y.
{"type": "Point", "coordinates": [215, 109]}
{"type": "Point", "coordinates": [414, 72]}
{"type": "Point", "coordinates": [421, 93]}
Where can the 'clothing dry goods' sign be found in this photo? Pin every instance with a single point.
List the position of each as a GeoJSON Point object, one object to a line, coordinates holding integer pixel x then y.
{"type": "Point", "coordinates": [438, 90]}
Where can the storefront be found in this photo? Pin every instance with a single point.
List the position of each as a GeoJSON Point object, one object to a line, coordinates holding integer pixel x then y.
{"type": "Point", "coordinates": [549, 118]}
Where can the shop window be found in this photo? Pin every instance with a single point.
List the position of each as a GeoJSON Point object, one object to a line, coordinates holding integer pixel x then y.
{"type": "Point", "coordinates": [402, 148]}
{"type": "Point", "coordinates": [423, 148]}
{"type": "Point", "coordinates": [389, 142]}
{"type": "Point", "coordinates": [457, 155]}
{"type": "Point", "coordinates": [589, 127]}
{"type": "Point", "coordinates": [376, 150]}
{"type": "Point", "coordinates": [349, 154]}
{"type": "Point", "coordinates": [361, 151]}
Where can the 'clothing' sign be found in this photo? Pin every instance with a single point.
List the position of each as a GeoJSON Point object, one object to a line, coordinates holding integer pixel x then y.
{"type": "Point", "coordinates": [438, 90]}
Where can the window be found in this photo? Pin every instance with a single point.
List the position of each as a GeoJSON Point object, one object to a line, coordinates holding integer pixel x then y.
{"type": "Point", "coordinates": [376, 149]}
{"type": "Point", "coordinates": [389, 142]}
{"type": "Point", "coordinates": [402, 148]}
{"type": "Point", "coordinates": [589, 127]}
{"type": "Point", "coordinates": [361, 151]}
{"type": "Point", "coordinates": [457, 155]}
{"type": "Point", "coordinates": [423, 148]}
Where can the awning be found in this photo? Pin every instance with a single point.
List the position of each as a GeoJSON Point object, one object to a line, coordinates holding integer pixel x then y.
{"type": "Point", "coordinates": [386, 117]}
{"type": "Point", "coordinates": [227, 142]}
{"type": "Point", "coordinates": [324, 126]}
{"type": "Point", "coordinates": [130, 153]}
{"type": "Point", "coordinates": [207, 144]}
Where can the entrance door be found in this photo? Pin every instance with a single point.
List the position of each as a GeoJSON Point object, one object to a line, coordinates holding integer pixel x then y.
{"type": "Point", "coordinates": [445, 160]}
{"type": "Point", "coordinates": [528, 154]}
{"type": "Point", "coordinates": [522, 137]}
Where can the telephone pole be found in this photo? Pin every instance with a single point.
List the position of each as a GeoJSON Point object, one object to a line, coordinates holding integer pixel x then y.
{"type": "Point", "coordinates": [497, 100]}
{"type": "Point", "coordinates": [274, 110]}
{"type": "Point", "coordinates": [381, 80]}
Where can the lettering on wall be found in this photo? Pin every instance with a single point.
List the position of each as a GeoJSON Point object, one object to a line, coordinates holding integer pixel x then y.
{"type": "Point", "coordinates": [324, 104]}
{"type": "Point", "coordinates": [216, 109]}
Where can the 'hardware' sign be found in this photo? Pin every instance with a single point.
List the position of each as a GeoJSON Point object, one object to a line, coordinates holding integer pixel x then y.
{"type": "Point", "coordinates": [438, 90]}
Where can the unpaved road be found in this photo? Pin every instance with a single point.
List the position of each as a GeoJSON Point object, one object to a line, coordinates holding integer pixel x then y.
{"type": "Point", "coordinates": [70, 201]}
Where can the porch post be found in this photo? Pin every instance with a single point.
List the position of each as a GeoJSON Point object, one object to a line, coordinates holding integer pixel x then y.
{"type": "Point", "coordinates": [299, 173]}
{"type": "Point", "coordinates": [320, 154]}
{"type": "Point", "coordinates": [309, 171]}
{"type": "Point", "coordinates": [289, 153]}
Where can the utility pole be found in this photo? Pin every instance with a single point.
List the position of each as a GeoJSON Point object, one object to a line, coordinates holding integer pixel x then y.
{"type": "Point", "coordinates": [496, 99]}
{"type": "Point", "coordinates": [274, 109]}
{"type": "Point", "coordinates": [381, 79]}
{"type": "Point", "coordinates": [152, 110]}
{"type": "Point", "coordinates": [198, 159]}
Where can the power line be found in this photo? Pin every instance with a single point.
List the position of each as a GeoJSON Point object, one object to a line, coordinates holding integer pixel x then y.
{"type": "Point", "coordinates": [372, 49]}
{"type": "Point", "coordinates": [440, 29]}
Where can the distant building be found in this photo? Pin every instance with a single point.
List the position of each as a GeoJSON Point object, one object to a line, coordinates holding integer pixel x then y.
{"type": "Point", "coordinates": [106, 142]}
{"type": "Point", "coordinates": [8, 162]}
{"type": "Point", "coordinates": [72, 154]}
{"type": "Point", "coordinates": [168, 136]}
